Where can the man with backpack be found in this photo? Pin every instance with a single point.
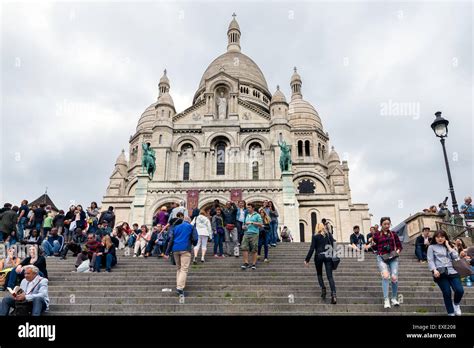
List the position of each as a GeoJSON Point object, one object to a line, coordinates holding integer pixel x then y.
{"type": "Point", "coordinates": [182, 238]}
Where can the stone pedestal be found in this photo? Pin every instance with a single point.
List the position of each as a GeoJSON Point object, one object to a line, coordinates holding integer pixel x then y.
{"type": "Point", "coordinates": [291, 216]}
{"type": "Point", "coordinates": [137, 215]}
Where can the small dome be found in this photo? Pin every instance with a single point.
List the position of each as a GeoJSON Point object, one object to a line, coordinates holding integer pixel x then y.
{"type": "Point", "coordinates": [164, 79]}
{"type": "Point", "coordinates": [303, 114]}
{"type": "Point", "coordinates": [333, 156]}
{"type": "Point", "coordinates": [147, 118]}
{"type": "Point", "coordinates": [233, 24]}
{"type": "Point", "coordinates": [278, 97]}
{"type": "Point", "coordinates": [165, 99]}
{"type": "Point", "coordinates": [295, 77]}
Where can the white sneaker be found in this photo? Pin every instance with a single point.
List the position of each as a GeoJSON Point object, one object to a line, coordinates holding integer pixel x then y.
{"type": "Point", "coordinates": [457, 309]}
{"type": "Point", "coordinates": [395, 302]}
{"type": "Point", "coordinates": [386, 303]}
{"type": "Point", "coordinates": [135, 255]}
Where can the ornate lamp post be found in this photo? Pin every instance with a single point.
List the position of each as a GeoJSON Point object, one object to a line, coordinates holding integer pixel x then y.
{"type": "Point", "coordinates": [440, 128]}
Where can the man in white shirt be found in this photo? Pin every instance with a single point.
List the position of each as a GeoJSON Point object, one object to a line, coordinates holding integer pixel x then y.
{"type": "Point", "coordinates": [35, 290]}
{"type": "Point", "coordinates": [179, 208]}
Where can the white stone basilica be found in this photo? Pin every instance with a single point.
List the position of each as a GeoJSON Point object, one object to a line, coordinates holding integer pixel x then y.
{"type": "Point", "coordinates": [225, 146]}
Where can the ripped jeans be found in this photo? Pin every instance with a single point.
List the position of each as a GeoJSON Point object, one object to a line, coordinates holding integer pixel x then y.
{"type": "Point", "coordinates": [391, 267]}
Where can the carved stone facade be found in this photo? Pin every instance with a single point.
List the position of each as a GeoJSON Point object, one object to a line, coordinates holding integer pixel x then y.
{"type": "Point", "coordinates": [218, 150]}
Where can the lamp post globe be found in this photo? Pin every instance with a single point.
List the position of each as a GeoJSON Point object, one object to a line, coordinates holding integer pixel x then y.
{"type": "Point", "coordinates": [440, 126]}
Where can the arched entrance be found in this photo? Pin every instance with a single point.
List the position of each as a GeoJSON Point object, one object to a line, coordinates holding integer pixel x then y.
{"type": "Point", "coordinates": [168, 206]}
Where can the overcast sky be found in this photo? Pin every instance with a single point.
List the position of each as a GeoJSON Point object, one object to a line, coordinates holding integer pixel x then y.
{"type": "Point", "coordinates": [76, 77]}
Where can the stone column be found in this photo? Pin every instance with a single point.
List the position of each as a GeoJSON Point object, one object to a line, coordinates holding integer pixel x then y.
{"type": "Point", "coordinates": [137, 213]}
{"type": "Point", "coordinates": [291, 214]}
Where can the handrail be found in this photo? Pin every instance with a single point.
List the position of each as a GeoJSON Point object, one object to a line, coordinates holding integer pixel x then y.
{"type": "Point", "coordinates": [451, 229]}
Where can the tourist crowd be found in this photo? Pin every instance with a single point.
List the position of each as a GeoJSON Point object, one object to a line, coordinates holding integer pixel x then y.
{"type": "Point", "coordinates": [235, 229]}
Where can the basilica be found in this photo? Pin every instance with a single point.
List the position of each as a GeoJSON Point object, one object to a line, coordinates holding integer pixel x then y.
{"type": "Point", "coordinates": [225, 146]}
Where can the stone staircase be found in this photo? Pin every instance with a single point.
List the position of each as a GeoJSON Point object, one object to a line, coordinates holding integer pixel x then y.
{"type": "Point", "coordinates": [219, 287]}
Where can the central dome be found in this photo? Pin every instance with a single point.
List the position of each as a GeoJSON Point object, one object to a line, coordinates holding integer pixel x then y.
{"type": "Point", "coordinates": [237, 65]}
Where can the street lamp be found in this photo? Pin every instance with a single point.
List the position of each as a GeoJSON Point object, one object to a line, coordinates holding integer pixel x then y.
{"type": "Point", "coordinates": [440, 128]}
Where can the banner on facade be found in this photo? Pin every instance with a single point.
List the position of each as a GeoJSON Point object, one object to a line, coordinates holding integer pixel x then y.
{"type": "Point", "coordinates": [192, 200]}
{"type": "Point", "coordinates": [236, 195]}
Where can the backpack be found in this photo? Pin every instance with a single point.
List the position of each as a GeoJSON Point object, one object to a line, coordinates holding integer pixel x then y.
{"type": "Point", "coordinates": [22, 309]}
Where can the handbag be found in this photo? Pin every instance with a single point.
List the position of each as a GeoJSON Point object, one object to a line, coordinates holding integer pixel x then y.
{"type": "Point", "coordinates": [461, 266]}
{"type": "Point", "coordinates": [335, 262]}
{"type": "Point", "coordinates": [393, 254]}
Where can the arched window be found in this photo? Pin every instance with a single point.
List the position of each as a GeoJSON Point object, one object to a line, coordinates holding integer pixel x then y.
{"type": "Point", "coordinates": [301, 232]}
{"type": "Point", "coordinates": [319, 150]}
{"type": "Point", "coordinates": [313, 222]}
{"type": "Point", "coordinates": [160, 138]}
{"type": "Point", "coordinates": [306, 148]}
{"type": "Point", "coordinates": [186, 171]}
{"type": "Point", "coordinates": [255, 170]}
{"type": "Point", "coordinates": [220, 158]}
{"type": "Point", "coordinates": [323, 152]}
{"type": "Point", "coordinates": [300, 148]}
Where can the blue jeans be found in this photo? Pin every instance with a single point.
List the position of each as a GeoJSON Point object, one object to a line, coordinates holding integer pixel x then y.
{"type": "Point", "coordinates": [93, 227]}
{"type": "Point", "coordinates": [49, 249]}
{"type": "Point", "coordinates": [38, 226]}
{"type": "Point", "coordinates": [273, 232]}
{"type": "Point", "coordinates": [445, 283]}
{"type": "Point", "coordinates": [13, 276]}
{"type": "Point", "coordinates": [131, 241]}
{"type": "Point", "coordinates": [218, 242]}
{"type": "Point", "coordinates": [21, 228]}
{"type": "Point", "coordinates": [39, 305]}
{"type": "Point", "coordinates": [420, 253]}
{"type": "Point", "coordinates": [263, 241]}
{"type": "Point", "coordinates": [110, 261]}
{"type": "Point", "coordinates": [392, 268]}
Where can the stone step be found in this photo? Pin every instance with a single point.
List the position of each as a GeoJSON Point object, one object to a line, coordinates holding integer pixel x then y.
{"type": "Point", "coordinates": [67, 288]}
{"type": "Point", "coordinates": [126, 293]}
{"type": "Point", "coordinates": [238, 280]}
{"type": "Point", "coordinates": [215, 277]}
{"type": "Point", "coordinates": [422, 313]}
{"type": "Point", "coordinates": [271, 265]}
{"type": "Point", "coordinates": [254, 308]}
{"type": "Point", "coordinates": [173, 299]}
{"type": "Point", "coordinates": [236, 271]}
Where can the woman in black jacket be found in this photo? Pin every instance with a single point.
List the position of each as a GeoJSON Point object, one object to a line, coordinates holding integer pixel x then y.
{"type": "Point", "coordinates": [322, 243]}
{"type": "Point", "coordinates": [33, 259]}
